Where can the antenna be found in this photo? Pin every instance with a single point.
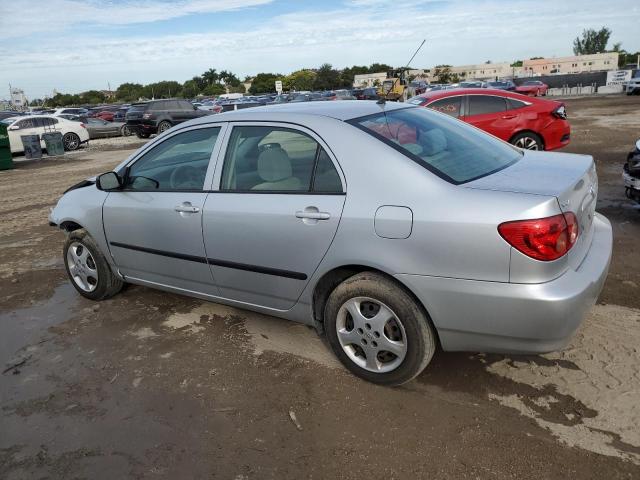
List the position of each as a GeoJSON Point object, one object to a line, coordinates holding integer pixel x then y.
{"type": "Point", "coordinates": [382, 100]}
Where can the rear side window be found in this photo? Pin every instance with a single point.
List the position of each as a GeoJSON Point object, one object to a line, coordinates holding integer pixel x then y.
{"type": "Point", "coordinates": [276, 159]}
{"type": "Point", "coordinates": [451, 106]}
{"type": "Point", "coordinates": [483, 104]}
{"type": "Point", "coordinates": [450, 149]}
{"type": "Point", "coordinates": [514, 104]}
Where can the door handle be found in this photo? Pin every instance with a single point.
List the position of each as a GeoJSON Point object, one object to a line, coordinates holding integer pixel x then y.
{"type": "Point", "coordinates": [508, 117]}
{"type": "Point", "coordinates": [186, 207]}
{"type": "Point", "coordinates": [313, 215]}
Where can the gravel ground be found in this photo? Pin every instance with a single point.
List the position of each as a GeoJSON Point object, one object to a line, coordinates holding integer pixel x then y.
{"type": "Point", "coordinates": [155, 385]}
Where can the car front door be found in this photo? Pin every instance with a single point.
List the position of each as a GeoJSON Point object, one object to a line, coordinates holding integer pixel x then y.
{"type": "Point", "coordinates": [489, 113]}
{"type": "Point", "coordinates": [154, 223]}
{"type": "Point", "coordinates": [273, 212]}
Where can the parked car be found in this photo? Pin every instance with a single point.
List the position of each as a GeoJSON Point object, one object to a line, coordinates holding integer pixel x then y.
{"type": "Point", "coordinates": [417, 87]}
{"type": "Point", "coordinates": [338, 95]}
{"type": "Point", "coordinates": [73, 133]}
{"type": "Point", "coordinates": [534, 88]}
{"type": "Point", "coordinates": [99, 128]}
{"type": "Point", "coordinates": [106, 115]}
{"type": "Point", "coordinates": [633, 86]}
{"type": "Point", "coordinates": [390, 228]}
{"type": "Point", "coordinates": [158, 116]}
{"type": "Point", "coordinates": [211, 106]}
{"type": "Point", "coordinates": [120, 115]}
{"type": "Point", "coordinates": [70, 111]}
{"type": "Point", "coordinates": [370, 93]}
{"type": "Point", "coordinates": [502, 85]}
{"type": "Point", "coordinates": [8, 114]}
{"type": "Point", "coordinates": [530, 123]}
{"type": "Point", "coordinates": [472, 84]}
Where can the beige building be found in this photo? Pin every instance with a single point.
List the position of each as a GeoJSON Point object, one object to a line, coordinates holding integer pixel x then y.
{"type": "Point", "coordinates": [575, 64]}
{"type": "Point", "coordinates": [369, 79]}
{"type": "Point", "coordinates": [483, 71]}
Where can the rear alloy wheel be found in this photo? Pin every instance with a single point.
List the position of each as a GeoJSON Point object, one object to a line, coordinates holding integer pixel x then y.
{"type": "Point", "coordinates": [377, 330]}
{"type": "Point", "coordinates": [71, 141]}
{"type": "Point", "coordinates": [164, 126]}
{"type": "Point", "coordinates": [124, 131]}
{"type": "Point", "coordinates": [527, 141]}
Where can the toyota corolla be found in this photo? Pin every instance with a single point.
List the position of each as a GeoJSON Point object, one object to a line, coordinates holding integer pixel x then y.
{"type": "Point", "coordinates": [392, 229]}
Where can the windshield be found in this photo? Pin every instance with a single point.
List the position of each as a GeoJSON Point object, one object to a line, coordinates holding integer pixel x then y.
{"type": "Point", "coordinates": [449, 148]}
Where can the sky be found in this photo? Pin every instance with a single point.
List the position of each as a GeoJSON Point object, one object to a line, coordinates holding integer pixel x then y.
{"type": "Point", "coordinates": [78, 45]}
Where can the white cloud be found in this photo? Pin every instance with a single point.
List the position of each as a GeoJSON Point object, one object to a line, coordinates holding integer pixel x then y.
{"type": "Point", "coordinates": [59, 15]}
{"type": "Point", "coordinates": [456, 34]}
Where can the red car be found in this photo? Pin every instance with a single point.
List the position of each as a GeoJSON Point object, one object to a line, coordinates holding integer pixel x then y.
{"type": "Point", "coordinates": [530, 123]}
{"type": "Point", "coordinates": [106, 115]}
{"type": "Point", "coordinates": [534, 88]}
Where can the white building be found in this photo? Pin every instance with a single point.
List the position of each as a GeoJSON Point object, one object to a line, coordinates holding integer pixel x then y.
{"type": "Point", "coordinates": [18, 99]}
{"type": "Point", "coordinates": [575, 64]}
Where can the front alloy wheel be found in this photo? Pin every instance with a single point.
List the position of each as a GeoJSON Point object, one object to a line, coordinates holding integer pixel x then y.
{"type": "Point", "coordinates": [82, 267]}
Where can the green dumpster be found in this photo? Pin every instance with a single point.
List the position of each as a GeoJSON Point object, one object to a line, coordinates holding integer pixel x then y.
{"type": "Point", "coordinates": [6, 161]}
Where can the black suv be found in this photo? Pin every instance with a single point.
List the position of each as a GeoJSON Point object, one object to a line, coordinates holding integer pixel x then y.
{"type": "Point", "coordinates": [156, 116]}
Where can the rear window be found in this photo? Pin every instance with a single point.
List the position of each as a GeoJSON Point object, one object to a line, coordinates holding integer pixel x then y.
{"type": "Point", "coordinates": [452, 150]}
{"type": "Point", "coordinates": [483, 104]}
{"type": "Point", "coordinates": [141, 107]}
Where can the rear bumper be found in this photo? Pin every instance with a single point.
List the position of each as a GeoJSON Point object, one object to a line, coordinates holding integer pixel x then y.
{"type": "Point", "coordinates": [473, 315]}
{"type": "Point", "coordinates": [142, 126]}
{"type": "Point", "coordinates": [557, 134]}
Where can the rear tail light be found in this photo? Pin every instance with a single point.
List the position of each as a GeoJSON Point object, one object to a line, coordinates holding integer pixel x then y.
{"type": "Point", "coordinates": [544, 239]}
{"type": "Point", "coordinates": [560, 112]}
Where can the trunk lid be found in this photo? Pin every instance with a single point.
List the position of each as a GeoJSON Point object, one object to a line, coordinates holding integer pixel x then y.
{"type": "Point", "coordinates": [571, 178]}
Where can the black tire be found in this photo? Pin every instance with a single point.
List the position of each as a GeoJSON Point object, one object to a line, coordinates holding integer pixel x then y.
{"type": "Point", "coordinates": [420, 337]}
{"type": "Point", "coordinates": [107, 284]}
{"type": "Point", "coordinates": [524, 140]}
{"type": "Point", "coordinates": [142, 135]}
{"type": "Point", "coordinates": [71, 141]}
{"type": "Point", "coordinates": [163, 126]}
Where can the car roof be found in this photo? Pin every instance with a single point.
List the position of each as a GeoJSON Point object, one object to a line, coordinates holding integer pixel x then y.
{"type": "Point", "coordinates": [435, 94]}
{"type": "Point", "coordinates": [339, 110]}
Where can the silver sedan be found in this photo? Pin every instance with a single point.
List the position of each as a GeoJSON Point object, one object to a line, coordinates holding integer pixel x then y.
{"type": "Point", "coordinates": [390, 228]}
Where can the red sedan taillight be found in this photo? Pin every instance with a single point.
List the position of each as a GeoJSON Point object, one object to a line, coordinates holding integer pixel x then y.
{"type": "Point", "coordinates": [560, 112]}
{"type": "Point", "coordinates": [544, 239]}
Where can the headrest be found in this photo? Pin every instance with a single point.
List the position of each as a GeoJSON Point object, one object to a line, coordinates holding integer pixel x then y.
{"type": "Point", "coordinates": [433, 142]}
{"type": "Point", "coordinates": [274, 165]}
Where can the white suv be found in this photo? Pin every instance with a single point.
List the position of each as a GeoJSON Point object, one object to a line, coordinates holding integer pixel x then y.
{"type": "Point", "coordinates": [633, 86]}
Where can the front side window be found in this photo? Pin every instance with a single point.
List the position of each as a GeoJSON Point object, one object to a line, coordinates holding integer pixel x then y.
{"type": "Point", "coordinates": [483, 104]}
{"type": "Point", "coordinates": [450, 106]}
{"type": "Point", "coordinates": [276, 159]}
{"type": "Point", "coordinates": [450, 149]}
{"type": "Point", "coordinates": [178, 163]}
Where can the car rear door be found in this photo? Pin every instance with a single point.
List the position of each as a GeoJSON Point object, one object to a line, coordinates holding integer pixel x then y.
{"type": "Point", "coordinates": [275, 205]}
{"type": "Point", "coordinates": [489, 113]}
{"type": "Point", "coordinates": [154, 224]}
{"type": "Point", "coordinates": [451, 105]}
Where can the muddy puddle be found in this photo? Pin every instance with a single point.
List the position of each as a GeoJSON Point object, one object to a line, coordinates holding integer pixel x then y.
{"type": "Point", "coordinates": [22, 327]}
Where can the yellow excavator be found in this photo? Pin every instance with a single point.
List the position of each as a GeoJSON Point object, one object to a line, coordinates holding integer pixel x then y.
{"type": "Point", "coordinates": [394, 87]}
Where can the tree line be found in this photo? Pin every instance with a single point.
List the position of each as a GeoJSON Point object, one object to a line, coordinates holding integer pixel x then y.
{"type": "Point", "coordinates": [214, 82]}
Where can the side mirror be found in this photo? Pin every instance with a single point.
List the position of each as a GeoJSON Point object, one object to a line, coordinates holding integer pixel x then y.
{"type": "Point", "coordinates": [14, 127]}
{"type": "Point", "coordinates": [109, 181]}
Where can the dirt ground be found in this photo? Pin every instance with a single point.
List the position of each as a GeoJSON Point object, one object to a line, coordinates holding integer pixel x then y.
{"type": "Point", "coordinates": [155, 385]}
